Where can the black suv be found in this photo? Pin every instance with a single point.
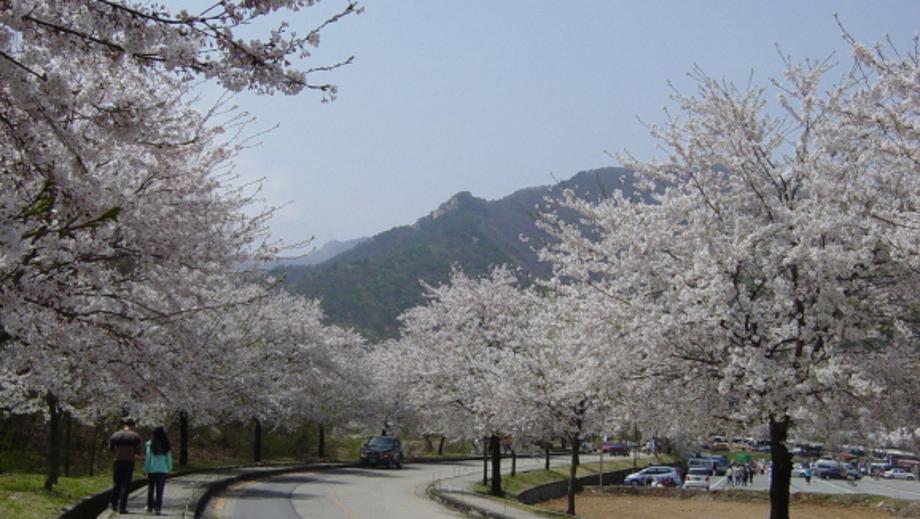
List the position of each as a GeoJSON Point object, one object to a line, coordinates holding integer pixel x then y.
{"type": "Point", "coordinates": [382, 450]}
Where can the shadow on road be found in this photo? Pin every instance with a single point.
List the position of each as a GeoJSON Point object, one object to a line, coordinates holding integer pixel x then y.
{"type": "Point", "coordinates": [369, 472]}
{"type": "Point", "coordinates": [250, 493]}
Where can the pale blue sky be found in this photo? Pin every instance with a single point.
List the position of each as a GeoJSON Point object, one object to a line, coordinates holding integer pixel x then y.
{"type": "Point", "coordinates": [491, 97]}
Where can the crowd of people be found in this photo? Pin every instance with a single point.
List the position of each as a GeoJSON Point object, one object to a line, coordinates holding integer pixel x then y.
{"type": "Point", "coordinates": [742, 474]}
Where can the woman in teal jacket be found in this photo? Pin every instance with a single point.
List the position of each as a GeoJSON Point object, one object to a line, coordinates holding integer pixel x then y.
{"type": "Point", "coordinates": [157, 464]}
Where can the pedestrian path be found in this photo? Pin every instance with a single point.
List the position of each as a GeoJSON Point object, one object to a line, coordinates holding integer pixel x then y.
{"type": "Point", "coordinates": [181, 494]}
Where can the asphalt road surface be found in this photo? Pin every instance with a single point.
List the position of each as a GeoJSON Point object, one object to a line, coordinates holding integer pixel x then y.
{"type": "Point", "coordinates": [348, 493]}
{"type": "Point", "coordinates": [898, 489]}
{"type": "Point", "coordinates": [357, 493]}
{"type": "Point", "coordinates": [378, 493]}
{"type": "Point", "coordinates": [340, 493]}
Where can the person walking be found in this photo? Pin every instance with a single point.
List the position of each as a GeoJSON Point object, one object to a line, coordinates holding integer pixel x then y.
{"type": "Point", "coordinates": [157, 464]}
{"type": "Point", "coordinates": [124, 445]}
{"type": "Point", "coordinates": [740, 478]}
{"type": "Point", "coordinates": [807, 474]}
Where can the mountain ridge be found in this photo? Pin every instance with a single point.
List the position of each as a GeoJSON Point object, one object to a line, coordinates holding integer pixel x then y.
{"type": "Point", "coordinates": [367, 286]}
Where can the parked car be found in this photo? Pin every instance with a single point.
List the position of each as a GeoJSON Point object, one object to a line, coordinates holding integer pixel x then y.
{"type": "Point", "coordinates": [880, 467]}
{"type": "Point", "coordinates": [698, 477]}
{"type": "Point", "coordinates": [382, 450]}
{"type": "Point", "coordinates": [708, 464]}
{"type": "Point", "coordinates": [808, 450]}
{"type": "Point", "coordinates": [829, 469]}
{"type": "Point", "coordinates": [615, 448]}
{"type": "Point", "coordinates": [721, 466]}
{"type": "Point", "coordinates": [897, 473]}
{"type": "Point", "coordinates": [650, 475]}
{"type": "Point", "coordinates": [718, 443]}
{"type": "Point", "coordinates": [851, 471]}
{"type": "Point", "coordinates": [857, 452]}
{"type": "Point", "coordinates": [798, 469]}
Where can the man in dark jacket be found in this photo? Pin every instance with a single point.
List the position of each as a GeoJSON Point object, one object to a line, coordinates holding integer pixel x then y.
{"type": "Point", "coordinates": [125, 445]}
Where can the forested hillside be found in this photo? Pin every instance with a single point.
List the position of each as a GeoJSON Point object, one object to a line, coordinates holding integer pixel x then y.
{"type": "Point", "coordinates": [368, 286]}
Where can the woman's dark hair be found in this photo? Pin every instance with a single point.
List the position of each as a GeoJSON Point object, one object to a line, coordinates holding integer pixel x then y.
{"type": "Point", "coordinates": [160, 443]}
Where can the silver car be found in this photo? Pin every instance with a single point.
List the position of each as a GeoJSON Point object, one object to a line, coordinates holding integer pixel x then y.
{"type": "Point", "coordinates": [658, 474]}
{"type": "Point", "coordinates": [898, 474]}
{"type": "Point", "coordinates": [697, 477]}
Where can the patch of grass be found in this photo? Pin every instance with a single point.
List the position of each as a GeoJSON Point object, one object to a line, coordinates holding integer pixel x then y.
{"type": "Point", "coordinates": [346, 448]}
{"type": "Point", "coordinates": [23, 496]}
{"type": "Point", "coordinates": [528, 479]}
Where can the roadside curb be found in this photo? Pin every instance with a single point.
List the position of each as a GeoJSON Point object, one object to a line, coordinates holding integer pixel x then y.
{"type": "Point", "coordinates": [467, 509]}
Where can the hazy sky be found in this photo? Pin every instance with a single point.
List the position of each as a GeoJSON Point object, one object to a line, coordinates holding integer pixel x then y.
{"type": "Point", "coordinates": [491, 97]}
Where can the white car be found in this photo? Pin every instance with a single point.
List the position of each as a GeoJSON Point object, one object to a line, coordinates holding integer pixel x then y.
{"type": "Point", "coordinates": [657, 474]}
{"type": "Point", "coordinates": [898, 474]}
{"type": "Point", "coordinates": [799, 469]}
{"type": "Point", "coordinates": [697, 477]}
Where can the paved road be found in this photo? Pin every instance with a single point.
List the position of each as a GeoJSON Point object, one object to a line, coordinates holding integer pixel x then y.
{"type": "Point", "coordinates": [357, 493]}
{"type": "Point", "coordinates": [898, 489]}
{"type": "Point", "coordinates": [341, 493]}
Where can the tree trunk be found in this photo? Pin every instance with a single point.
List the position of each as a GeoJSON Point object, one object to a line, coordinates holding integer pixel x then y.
{"type": "Point", "coordinates": [781, 475]}
{"type": "Point", "coordinates": [92, 450]}
{"type": "Point", "coordinates": [573, 473]}
{"type": "Point", "coordinates": [429, 447]}
{"type": "Point", "coordinates": [636, 447]}
{"type": "Point", "coordinates": [321, 447]}
{"type": "Point", "coordinates": [513, 463]}
{"type": "Point", "coordinates": [183, 439]}
{"type": "Point", "coordinates": [576, 458]}
{"type": "Point", "coordinates": [54, 441]}
{"type": "Point", "coordinates": [495, 445]}
{"type": "Point", "coordinates": [441, 445]}
{"type": "Point", "coordinates": [548, 446]}
{"type": "Point", "coordinates": [485, 462]}
{"type": "Point", "coordinates": [68, 440]}
{"type": "Point", "coordinates": [257, 441]}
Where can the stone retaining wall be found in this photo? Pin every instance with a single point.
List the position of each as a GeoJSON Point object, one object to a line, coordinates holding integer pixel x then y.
{"type": "Point", "coordinates": [560, 488]}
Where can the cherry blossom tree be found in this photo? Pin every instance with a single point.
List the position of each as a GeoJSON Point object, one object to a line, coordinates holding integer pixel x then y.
{"type": "Point", "coordinates": [40, 37]}
{"type": "Point", "coordinates": [101, 247]}
{"type": "Point", "coordinates": [118, 211]}
{"type": "Point", "coordinates": [570, 371]}
{"type": "Point", "coordinates": [388, 406]}
{"type": "Point", "coordinates": [773, 268]}
{"type": "Point", "coordinates": [459, 350]}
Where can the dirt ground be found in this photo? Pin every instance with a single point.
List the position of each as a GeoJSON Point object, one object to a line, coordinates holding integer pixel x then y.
{"type": "Point", "coordinates": [591, 505]}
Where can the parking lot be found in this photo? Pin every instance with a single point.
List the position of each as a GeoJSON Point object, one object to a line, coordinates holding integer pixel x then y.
{"type": "Point", "coordinates": [898, 489]}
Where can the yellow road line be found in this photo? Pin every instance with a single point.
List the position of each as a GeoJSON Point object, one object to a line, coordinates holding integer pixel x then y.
{"type": "Point", "coordinates": [341, 506]}
{"type": "Point", "coordinates": [221, 501]}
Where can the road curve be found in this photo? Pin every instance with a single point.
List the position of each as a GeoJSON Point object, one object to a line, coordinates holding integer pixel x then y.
{"type": "Point", "coordinates": [347, 493]}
